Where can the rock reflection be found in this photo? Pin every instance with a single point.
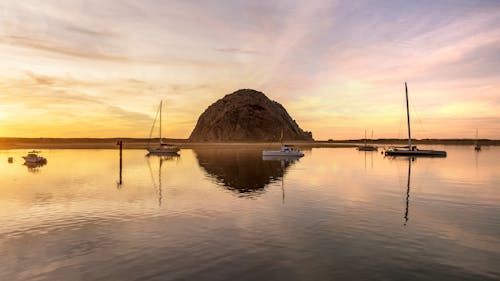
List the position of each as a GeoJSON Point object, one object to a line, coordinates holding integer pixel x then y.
{"type": "Point", "coordinates": [241, 171]}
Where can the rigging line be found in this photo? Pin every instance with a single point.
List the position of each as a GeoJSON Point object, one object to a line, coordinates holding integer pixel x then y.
{"type": "Point", "coordinates": [152, 128]}
{"type": "Point", "coordinates": [419, 120]}
{"type": "Point", "coordinates": [400, 122]}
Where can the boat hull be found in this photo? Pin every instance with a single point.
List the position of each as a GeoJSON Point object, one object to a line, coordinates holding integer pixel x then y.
{"type": "Point", "coordinates": [280, 158]}
{"type": "Point", "coordinates": [163, 151]}
{"type": "Point", "coordinates": [367, 148]}
{"type": "Point", "coordinates": [428, 153]}
{"type": "Point", "coordinates": [38, 160]}
{"type": "Point", "coordinates": [282, 153]}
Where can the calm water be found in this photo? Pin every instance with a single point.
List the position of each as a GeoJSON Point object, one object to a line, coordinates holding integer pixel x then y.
{"type": "Point", "coordinates": [225, 214]}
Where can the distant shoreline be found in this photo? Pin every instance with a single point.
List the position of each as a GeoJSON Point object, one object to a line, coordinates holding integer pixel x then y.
{"type": "Point", "coordinates": [134, 143]}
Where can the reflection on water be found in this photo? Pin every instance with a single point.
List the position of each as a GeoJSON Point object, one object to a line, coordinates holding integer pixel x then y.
{"type": "Point", "coordinates": [34, 167]}
{"type": "Point", "coordinates": [242, 171]}
{"type": "Point", "coordinates": [157, 180]}
{"type": "Point", "coordinates": [408, 190]}
{"type": "Point", "coordinates": [170, 220]}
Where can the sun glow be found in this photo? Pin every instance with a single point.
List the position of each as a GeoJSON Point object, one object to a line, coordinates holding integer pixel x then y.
{"type": "Point", "coordinates": [69, 72]}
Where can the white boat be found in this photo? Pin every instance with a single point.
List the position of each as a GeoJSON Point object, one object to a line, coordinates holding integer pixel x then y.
{"type": "Point", "coordinates": [412, 150]}
{"type": "Point", "coordinates": [162, 148]}
{"type": "Point", "coordinates": [34, 158]}
{"type": "Point", "coordinates": [285, 150]}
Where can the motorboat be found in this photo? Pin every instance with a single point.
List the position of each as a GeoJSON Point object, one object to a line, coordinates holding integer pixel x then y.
{"type": "Point", "coordinates": [285, 150]}
{"type": "Point", "coordinates": [34, 158]}
{"type": "Point", "coordinates": [412, 150]}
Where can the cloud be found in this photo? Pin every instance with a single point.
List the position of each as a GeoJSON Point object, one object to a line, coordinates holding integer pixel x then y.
{"type": "Point", "coordinates": [327, 62]}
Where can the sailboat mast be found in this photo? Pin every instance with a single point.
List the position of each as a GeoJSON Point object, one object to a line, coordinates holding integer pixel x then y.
{"type": "Point", "coordinates": [365, 137]}
{"type": "Point", "coordinates": [408, 117]}
{"type": "Point", "coordinates": [161, 103]}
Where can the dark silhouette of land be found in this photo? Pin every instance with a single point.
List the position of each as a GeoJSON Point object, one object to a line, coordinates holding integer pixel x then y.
{"type": "Point", "coordinates": [138, 143]}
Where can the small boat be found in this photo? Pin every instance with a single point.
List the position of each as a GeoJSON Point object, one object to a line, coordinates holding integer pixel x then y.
{"type": "Point", "coordinates": [34, 158]}
{"type": "Point", "coordinates": [10, 159]}
{"type": "Point", "coordinates": [412, 150]}
{"type": "Point", "coordinates": [477, 147]}
{"type": "Point", "coordinates": [163, 148]}
{"type": "Point", "coordinates": [367, 147]}
{"type": "Point", "coordinates": [285, 150]}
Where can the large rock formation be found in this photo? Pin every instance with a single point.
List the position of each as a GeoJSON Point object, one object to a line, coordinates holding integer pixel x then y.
{"type": "Point", "coordinates": [246, 115]}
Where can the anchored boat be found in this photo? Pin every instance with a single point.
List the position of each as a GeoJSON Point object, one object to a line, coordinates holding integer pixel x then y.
{"type": "Point", "coordinates": [162, 148]}
{"type": "Point", "coordinates": [412, 150]}
{"type": "Point", "coordinates": [366, 146]}
{"type": "Point", "coordinates": [34, 158]}
{"type": "Point", "coordinates": [285, 150]}
{"type": "Point", "coordinates": [477, 147]}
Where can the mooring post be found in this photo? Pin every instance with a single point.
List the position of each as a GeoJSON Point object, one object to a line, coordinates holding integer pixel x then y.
{"type": "Point", "coordinates": [120, 143]}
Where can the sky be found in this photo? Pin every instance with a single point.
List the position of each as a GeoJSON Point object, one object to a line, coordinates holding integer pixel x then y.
{"type": "Point", "coordinates": [100, 68]}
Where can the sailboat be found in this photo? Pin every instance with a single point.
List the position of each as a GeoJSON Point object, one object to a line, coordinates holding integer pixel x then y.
{"type": "Point", "coordinates": [412, 150]}
{"type": "Point", "coordinates": [163, 148]}
{"type": "Point", "coordinates": [367, 147]}
{"type": "Point", "coordinates": [285, 150]}
{"type": "Point", "coordinates": [477, 147]}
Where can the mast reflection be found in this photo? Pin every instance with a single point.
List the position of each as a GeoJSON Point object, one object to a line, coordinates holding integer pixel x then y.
{"type": "Point", "coordinates": [285, 161]}
{"type": "Point", "coordinates": [410, 159]}
{"type": "Point", "coordinates": [161, 159]}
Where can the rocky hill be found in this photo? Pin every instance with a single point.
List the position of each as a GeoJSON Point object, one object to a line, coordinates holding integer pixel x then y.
{"type": "Point", "coordinates": [246, 115]}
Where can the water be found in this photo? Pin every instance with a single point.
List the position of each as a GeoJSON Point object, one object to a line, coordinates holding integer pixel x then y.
{"type": "Point", "coordinates": [225, 214]}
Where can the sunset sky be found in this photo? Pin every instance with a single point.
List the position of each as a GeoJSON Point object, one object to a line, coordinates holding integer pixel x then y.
{"type": "Point", "coordinates": [99, 68]}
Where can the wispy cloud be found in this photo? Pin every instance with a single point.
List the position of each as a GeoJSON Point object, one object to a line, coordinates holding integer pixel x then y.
{"type": "Point", "coordinates": [337, 66]}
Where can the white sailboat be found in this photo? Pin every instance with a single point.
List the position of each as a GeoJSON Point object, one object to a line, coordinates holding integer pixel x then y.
{"type": "Point", "coordinates": [162, 148]}
{"type": "Point", "coordinates": [412, 150]}
{"type": "Point", "coordinates": [285, 150]}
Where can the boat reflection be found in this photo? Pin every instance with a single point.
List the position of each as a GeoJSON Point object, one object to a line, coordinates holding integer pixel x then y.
{"type": "Point", "coordinates": [285, 161]}
{"type": "Point", "coordinates": [406, 216]}
{"type": "Point", "coordinates": [34, 167]}
{"type": "Point", "coordinates": [161, 159]}
{"type": "Point", "coordinates": [243, 171]}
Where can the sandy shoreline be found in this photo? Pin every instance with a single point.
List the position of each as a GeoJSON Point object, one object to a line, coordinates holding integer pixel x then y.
{"type": "Point", "coordinates": [52, 143]}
